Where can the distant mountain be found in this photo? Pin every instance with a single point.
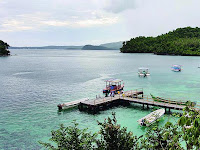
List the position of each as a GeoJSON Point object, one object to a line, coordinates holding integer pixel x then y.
{"type": "Point", "coordinates": [92, 47]}
{"type": "Point", "coordinates": [49, 47]}
{"type": "Point", "coordinates": [113, 45]}
{"type": "Point", "coordinates": [107, 46]}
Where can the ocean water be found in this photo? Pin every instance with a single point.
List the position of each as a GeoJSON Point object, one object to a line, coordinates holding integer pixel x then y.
{"type": "Point", "coordinates": [33, 82]}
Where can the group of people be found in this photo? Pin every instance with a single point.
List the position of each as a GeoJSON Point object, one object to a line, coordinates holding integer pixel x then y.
{"type": "Point", "coordinates": [112, 94]}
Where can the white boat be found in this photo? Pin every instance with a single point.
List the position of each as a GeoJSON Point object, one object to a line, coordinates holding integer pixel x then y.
{"type": "Point", "coordinates": [176, 68]}
{"type": "Point", "coordinates": [150, 118]}
{"type": "Point", "coordinates": [143, 72]}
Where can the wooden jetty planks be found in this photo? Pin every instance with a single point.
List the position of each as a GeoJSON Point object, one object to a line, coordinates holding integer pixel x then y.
{"type": "Point", "coordinates": [71, 104]}
{"type": "Point", "coordinates": [122, 99]}
{"type": "Point", "coordinates": [101, 101]}
{"type": "Point", "coordinates": [153, 103]}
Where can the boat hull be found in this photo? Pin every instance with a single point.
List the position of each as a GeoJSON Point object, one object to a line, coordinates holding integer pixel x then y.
{"type": "Point", "coordinates": [115, 91]}
{"type": "Point", "coordinates": [175, 70]}
{"type": "Point", "coordinates": [158, 99]}
{"type": "Point", "coordinates": [151, 118]}
{"type": "Point", "coordinates": [142, 74]}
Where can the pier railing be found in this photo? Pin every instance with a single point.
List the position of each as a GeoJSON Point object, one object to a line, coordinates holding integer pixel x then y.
{"type": "Point", "coordinates": [147, 98]}
{"type": "Point", "coordinates": [136, 96]}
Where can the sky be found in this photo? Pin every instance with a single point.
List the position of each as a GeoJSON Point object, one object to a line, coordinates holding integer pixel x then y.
{"type": "Point", "coordinates": [81, 22]}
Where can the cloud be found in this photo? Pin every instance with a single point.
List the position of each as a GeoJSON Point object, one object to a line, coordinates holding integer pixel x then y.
{"type": "Point", "coordinates": [56, 23]}
{"type": "Point", "coordinates": [22, 22]}
{"type": "Point", "coordinates": [81, 23]}
{"type": "Point", "coordinates": [84, 20]}
{"type": "Point", "coordinates": [40, 14]}
{"type": "Point", "coordinates": [100, 21]}
{"type": "Point", "coordinates": [117, 6]}
{"type": "Point", "coordinates": [14, 25]}
{"type": "Point", "coordinates": [40, 21]}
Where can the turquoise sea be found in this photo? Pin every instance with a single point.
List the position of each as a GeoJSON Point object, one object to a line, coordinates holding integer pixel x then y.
{"type": "Point", "coordinates": [33, 82]}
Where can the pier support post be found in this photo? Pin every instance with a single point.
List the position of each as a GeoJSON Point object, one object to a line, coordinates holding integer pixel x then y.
{"type": "Point", "coordinates": [80, 107]}
{"type": "Point", "coordinates": [143, 106]}
{"type": "Point", "coordinates": [147, 106]}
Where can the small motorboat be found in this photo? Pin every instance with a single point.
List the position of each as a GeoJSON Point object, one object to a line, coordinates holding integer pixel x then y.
{"type": "Point", "coordinates": [143, 72]}
{"type": "Point", "coordinates": [176, 68]}
{"type": "Point", "coordinates": [151, 118]}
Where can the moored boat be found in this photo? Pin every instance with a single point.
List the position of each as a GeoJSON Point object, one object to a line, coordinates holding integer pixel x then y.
{"type": "Point", "coordinates": [143, 72]}
{"type": "Point", "coordinates": [159, 99]}
{"type": "Point", "coordinates": [113, 86]}
{"type": "Point", "coordinates": [151, 118]}
{"type": "Point", "coordinates": [176, 68]}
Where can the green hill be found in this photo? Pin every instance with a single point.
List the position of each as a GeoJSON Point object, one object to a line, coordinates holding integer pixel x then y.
{"type": "Point", "coordinates": [182, 41]}
{"type": "Point", "coordinates": [4, 49]}
{"type": "Point", "coordinates": [92, 47]}
{"type": "Point", "coordinates": [114, 45]}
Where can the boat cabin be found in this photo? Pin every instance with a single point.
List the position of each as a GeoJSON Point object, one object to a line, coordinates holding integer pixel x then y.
{"type": "Point", "coordinates": [176, 68]}
{"type": "Point", "coordinates": [143, 72]}
{"type": "Point", "coordinates": [113, 86]}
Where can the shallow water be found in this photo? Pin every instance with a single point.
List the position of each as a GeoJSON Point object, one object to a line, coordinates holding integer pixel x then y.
{"type": "Point", "coordinates": [33, 82]}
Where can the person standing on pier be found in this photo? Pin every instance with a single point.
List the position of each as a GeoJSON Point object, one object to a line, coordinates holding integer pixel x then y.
{"type": "Point", "coordinates": [113, 94]}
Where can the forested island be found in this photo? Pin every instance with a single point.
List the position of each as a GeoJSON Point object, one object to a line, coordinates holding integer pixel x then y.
{"type": "Point", "coordinates": [182, 41]}
{"type": "Point", "coordinates": [4, 49]}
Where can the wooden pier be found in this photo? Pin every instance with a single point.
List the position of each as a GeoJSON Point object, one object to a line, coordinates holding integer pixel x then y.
{"type": "Point", "coordinates": [71, 104]}
{"type": "Point", "coordinates": [136, 96]}
{"type": "Point", "coordinates": [108, 102]}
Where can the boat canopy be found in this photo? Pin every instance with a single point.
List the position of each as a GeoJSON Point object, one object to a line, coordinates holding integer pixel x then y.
{"type": "Point", "coordinates": [143, 68]}
{"type": "Point", "coordinates": [176, 66]}
{"type": "Point", "coordinates": [114, 80]}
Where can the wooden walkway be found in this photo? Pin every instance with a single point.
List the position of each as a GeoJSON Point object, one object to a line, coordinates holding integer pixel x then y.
{"type": "Point", "coordinates": [71, 104]}
{"type": "Point", "coordinates": [63, 106]}
{"type": "Point", "coordinates": [104, 103]}
{"type": "Point", "coordinates": [125, 99]}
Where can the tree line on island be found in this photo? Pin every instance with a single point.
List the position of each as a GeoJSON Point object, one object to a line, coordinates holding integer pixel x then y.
{"type": "Point", "coordinates": [4, 49]}
{"type": "Point", "coordinates": [183, 134]}
{"type": "Point", "coordinates": [182, 41]}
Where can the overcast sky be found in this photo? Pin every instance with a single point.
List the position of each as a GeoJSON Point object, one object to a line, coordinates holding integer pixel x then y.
{"type": "Point", "coordinates": [80, 22]}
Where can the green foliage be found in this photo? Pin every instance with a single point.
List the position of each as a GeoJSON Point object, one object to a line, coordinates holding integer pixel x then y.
{"type": "Point", "coordinates": [71, 138]}
{"type": "Point", "coordinates": [190, 123]}
{"type": "Point", "coordinates": [4, 49]}
{"type": "Point", "coordinates": [167, 137]}
{"type": "Point", "coordinates": [182, 41]}
{"type": "Point", "coordinates": [113, 137]}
